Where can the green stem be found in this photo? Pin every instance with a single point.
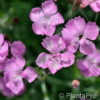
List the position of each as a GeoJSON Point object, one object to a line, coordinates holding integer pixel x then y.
{"type": "Point", "coordinates": [44, 90]}
{"type": "Point", "coordinates": [96, 17]}
{"type": "Point", "coordinates": [74, 3]}
{"type": "Point", "coordinates": [82, 12]}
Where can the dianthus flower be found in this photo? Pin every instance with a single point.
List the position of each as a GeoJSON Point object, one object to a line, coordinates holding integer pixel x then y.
{"type": "Point", "coordinates": [90, 65]}
{"type": "Point", "coordinates": [55, 60]}
{"type": "Point", "coordinates": [45, 18]}
{"type": "Point", "coordinates": [14, 74]}
{"type": "Point", "coordinates": [78, 33]}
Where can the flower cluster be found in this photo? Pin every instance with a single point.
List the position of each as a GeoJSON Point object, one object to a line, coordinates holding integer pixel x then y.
{"type": "Point", "coordinates": [12, 63]}
{"type": "Point", "coordinates": [56, 59]}
{"type": "Point", "coordinates": [76, 35]}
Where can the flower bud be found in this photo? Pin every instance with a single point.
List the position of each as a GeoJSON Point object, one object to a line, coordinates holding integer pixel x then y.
{"type": "Point", "coordinates": [75, 83]}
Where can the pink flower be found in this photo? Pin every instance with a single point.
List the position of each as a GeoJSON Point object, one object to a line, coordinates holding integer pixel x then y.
{"type": "Point", "coordinates": [14, 74]}
{"type": "Point", "coordinates": [79, 34]}
{"type": "Point", "coordinates": [56, 60]}
{"type": "Point", "coordinates": [45, 18]}
{"type": "Point", "coordinates": [90, 65]}
{"type": "Point", "coordinates": [3, 48]}
{"type": "Point", "coordinates": [94, 4]}
{"type": "Point", "coordinates": [17, 48]}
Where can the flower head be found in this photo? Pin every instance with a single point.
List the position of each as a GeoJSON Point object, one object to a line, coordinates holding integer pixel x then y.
{"type": "Point", "coordinates": [45, 18]}
{"type": "Point", "coordinates": [94, 4]}
{"type": "Point", "coordinates": [78, 33]}
{"type": "Point", "coordinates": [75, 83]}
{"type": "Point", "coordinates": [90, 65]}
{"type": "Point", "coordinates": [14, 74]}
{"type": "Point", "coordinates": [11, 66]}
{"type": "Point", "coordinates": [55, 60]}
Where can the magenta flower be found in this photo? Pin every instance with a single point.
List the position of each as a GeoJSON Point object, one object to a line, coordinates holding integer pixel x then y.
{"type": "Point", "coordinates": [3, 48]}
{"type": "Point", "coordinates": [90, 65]}
{"type": "Point", "coordinates": [94, 4]}
{"type": "Point", "coordinates": [5, 91]}
{"type": "Point", "coordinates": [46, 18]}
{"type": "Point", "coordinates": [79, 34]}
{"type": "Point", "coordinates": [56, 60]}
{"type": "Point", "coordinates": [14, 74]}
{"type": "Point", "coordinates": [17, 48]}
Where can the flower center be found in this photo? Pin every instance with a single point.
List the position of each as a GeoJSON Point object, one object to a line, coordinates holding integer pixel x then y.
{"type": "Point", "coordinates": [17, 75]}
{"type": "Point", "coordinates": [55, 57]}
{"type": "Point", "coordinates": [45, 19]}
{"type": "Point", "coordinates": [80, 37]}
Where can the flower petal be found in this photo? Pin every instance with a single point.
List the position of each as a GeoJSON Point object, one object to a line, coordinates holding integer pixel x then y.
{"type": "Point", "coordinates": [2, 66]}
{"type": "Point", "coordinates": [54, 44]}
{"type": "Point", "coordinates": [54, 66]}
{"type": "Point", "coordinates": [4, 48]}
{"type": "Point", "coordinates": [74, 28]}
{"type": "Point", "coordinates": [86, 73]}
{"type": "Point", "coordinates": [16, 86]}
{"type": "Point", "coordinates": [84, 68]}
{"type": "Point", "coordinates": [29, 74]}
{"type": "Point", "coordinates": [85, 3]}
{"type": "Point", "coordinates": [5, 91]}
{"type": "Point", "coordinates": [49, 7]}
{"type": "Point", "coordinates": [19, 61]}
{"type": "Point", "coordinates": [14, 64]}
{"type": "Point", "coordinates": [17, 48]}
{"type": "Point", "coordinates": [38, 28]}
{"type": "Point", "coordinates": [91, 31]}
{"type": "Point", "coordinates": [3, 51]}
{"type": "Point", "coordinates": [95, 71]}
{"type": "Point", "coordinates": [87, 47]}
{"type": "Point", "coordinates": [74, 44]}
{"type": "Point", "coordinates": [36, 14]}
{"type": "Point", "coordinates": [1, 84]}
{"type": "Point", "coordinates": [95, 5]}
{"type": "Point", "coordinates": [88, 69]}
{"type": "Point", "coordinates": [56, 19]}
{"type": "Point", "coordinates": [49, 30]}
{"type": "Point", "coordinates": [41, 29]}
{"type": "Point", "coordinates": [42, 60]}
{"type": "Point", "coordinates": [68, 59]}
{"type": "Point", "coordinates": [81, 65]}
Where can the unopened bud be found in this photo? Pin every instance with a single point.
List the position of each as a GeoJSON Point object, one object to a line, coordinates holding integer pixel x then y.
{"type": "Point", "coordinates": [75, 83]}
